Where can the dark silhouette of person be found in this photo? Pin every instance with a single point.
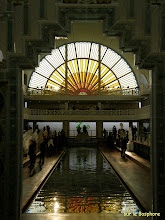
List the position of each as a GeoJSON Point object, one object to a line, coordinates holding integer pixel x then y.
{"type": "Point", "coordinates": [43, 146]}
{"type": "Point", "coordinates": [84, 129]}
{"type": "Point", "coordinates": [79, 130]}
{"type": "Point", "coordinates": [114, 132]}
{"type": "Point", "coordinates": [32, 155]}
{"type": "Point", "coordinates": [123, 147]}
{"type": "Point", "coordinates": [62, 133]}
{"type": "Point", "coordinates": [104, 133]}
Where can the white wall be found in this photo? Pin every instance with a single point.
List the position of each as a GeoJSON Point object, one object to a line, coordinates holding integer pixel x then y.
{"type": "Point", "coordinates": [53, 125]}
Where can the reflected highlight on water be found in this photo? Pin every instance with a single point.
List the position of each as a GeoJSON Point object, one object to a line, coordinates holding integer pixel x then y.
{"type": "Point", "coordinates": [83, 182]}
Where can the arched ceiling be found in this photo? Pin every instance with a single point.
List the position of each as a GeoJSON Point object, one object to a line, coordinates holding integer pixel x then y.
{"type": "Point", "coordinates": [82, 67]}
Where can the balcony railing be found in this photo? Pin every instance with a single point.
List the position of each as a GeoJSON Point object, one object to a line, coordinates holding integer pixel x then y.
{"type": "Point", "coordinates": [34, 92]}
{"type": "Point", "coordinates": [134, 112]}
{"type": "Point", "coordinates": [83, 112]}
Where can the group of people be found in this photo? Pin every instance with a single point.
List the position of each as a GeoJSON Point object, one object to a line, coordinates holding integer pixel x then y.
{"type": "Point", "coordinates": [84, 129]}
{"type": "Point", "coordinates": [43, 142]}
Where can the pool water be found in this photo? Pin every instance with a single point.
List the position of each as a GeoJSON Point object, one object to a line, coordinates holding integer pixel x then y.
{"type": "Point", "coordinates": [83, 182]}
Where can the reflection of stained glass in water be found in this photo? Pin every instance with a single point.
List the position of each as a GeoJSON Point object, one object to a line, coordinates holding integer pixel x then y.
{"type": "Point", "coordinates": [82, 205]}
{"type": "Point", "coordinates": [83, 183]}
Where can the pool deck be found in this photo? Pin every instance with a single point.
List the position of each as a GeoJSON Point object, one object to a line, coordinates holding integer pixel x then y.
{"type": "Point", "coordinates": [32, 184]}
{"type": "Point", "coordinates": [133, 174]}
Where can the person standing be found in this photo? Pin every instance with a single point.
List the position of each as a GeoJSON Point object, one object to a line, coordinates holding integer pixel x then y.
{"type": "Point", "coordinates": [114, 132]}
{"type": "Point", "coordinates": [32, 155]}
{"type": "Point", "coordinates": [123, 147]}
{"type": "Point", "coordinates": [104, 133]}
{"type": "Point", "coordinates": [42, 151]}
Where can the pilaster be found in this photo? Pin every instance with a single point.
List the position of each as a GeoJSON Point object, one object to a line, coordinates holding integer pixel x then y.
{"type": "Point", "coordinates": [158, 138]}
{"type": "Point", "coordinates": [99, 129]}
{"type": "Point", "coordinates": [66, 128]}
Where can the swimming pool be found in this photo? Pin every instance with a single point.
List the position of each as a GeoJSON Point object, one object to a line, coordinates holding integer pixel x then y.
{"type": "Point", "coordinates": [83, 182]}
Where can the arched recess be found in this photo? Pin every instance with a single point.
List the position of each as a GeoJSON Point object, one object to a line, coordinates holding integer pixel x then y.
{"type": "Point", "coordinates": [84, 59]}
{"type": "Point", "coordinates": [1, 56]}
{"type": "Point", "coordinates": [143, 80]}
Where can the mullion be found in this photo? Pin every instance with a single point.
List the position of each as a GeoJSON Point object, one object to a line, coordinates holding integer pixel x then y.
{"type": "Point", "coordinates": [103, 55]}
{"type": "Point", "coordinates": [55, 69]}
{"type": "Point", "coordinates": [72, 76]}
{"type": "Point", "coordinates": [76, 59]}
{"type": "Point", "coordinates": [88, 64]}
{"type": "Point", "coordinates": [47, 78]}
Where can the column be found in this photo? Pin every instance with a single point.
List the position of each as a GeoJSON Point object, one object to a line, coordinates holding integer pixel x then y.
{"type": "Point", "coordinates": [66, 105]}
{"type": "Point", "coordinates": [42, 8]}
{"type": "Point", "coordinates": [26, 17]}
{"type": "Point", "coordinates": [139, 128]}
{"type": "Point", "coordinates": [158, 139]}
{"type": "Point", "coordinates": [99, 129]}
{"type": "Point", "coordinates": [130, 130]}
{"type": "Point", "coordinates": [66, 128]}
{"type": "Point", "coordinates": [25, 124]}
{"type": "Point", "coordinates": [11, 133]}
{"type": "Point", "coordinates": [34, 125]}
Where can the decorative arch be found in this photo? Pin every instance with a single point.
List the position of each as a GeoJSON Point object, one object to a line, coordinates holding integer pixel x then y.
{"type": "Point", "coordinates": [88, 66]}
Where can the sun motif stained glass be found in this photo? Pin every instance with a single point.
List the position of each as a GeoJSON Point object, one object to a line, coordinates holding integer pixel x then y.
{"type": "Point", "coordinates": [83, 69]}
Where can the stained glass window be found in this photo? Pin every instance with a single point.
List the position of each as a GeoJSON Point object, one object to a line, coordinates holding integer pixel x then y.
{"type": "Point", "coordinates": [83, 70]}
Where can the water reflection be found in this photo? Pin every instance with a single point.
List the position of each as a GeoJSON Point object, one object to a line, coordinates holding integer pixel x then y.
{"type": "Point", "coordinates": [83, 182]}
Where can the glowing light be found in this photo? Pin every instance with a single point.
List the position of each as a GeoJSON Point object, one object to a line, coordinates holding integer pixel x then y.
{"type": "Point", "coordinates": [56, 206]}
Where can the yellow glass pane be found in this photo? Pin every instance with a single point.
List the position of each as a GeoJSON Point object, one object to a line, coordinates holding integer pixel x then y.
{"type": "Point", "coordinates": [62, 70]}
{"type": "Point", "coordinates": [92, 63]}
{"type": "Point", "coordinates": [60, 81]}
{"type": "Point", "coordinates": [58, 74]}
{"type": "Point", "coordinates": [71, 65]}
{"type": "Point", "coordinates": [81, 61]}
{"type": "Point", "coordinates": [96, 67]}
{"type": "Point", "coordinates": [75, 61]}
{"type": "Point", "coordinates": [111, 86]}
{"type": "Point", "coordinates": [86, 65]}
{"type": "Point", "coordinates": [53, 83]}
{"type": "Point", "coordinates": [112, 79]}
{"type": "Point", "coordinates": [105, 72]}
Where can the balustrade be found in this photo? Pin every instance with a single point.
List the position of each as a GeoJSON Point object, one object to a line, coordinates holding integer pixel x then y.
{"type": "Point", "coordinates": [130, 92]}
{"type": "Point", "coordinates": [131, 112]}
